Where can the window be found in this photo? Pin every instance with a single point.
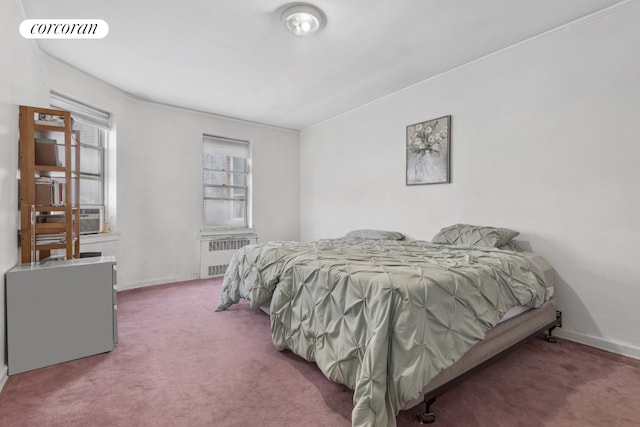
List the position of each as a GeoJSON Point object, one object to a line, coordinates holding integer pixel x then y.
{"type": "Point", "coordinates": [97, 168]}
{"type": "Point", "coordinates": [91, 164]}
{"type": "Point", "coordinates": [93, 125]}
{"type": "Point", "coordinates": [225, 182]}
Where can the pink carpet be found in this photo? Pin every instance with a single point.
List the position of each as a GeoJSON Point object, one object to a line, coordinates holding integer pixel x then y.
{"type": "Point", "coordinates": [178, 363]}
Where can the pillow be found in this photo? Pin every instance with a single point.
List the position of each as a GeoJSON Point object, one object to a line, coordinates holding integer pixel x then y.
{"type": "Point", "coordinates": [374, 234]}
{"type": "Point", "coordinates": [510, 246]}
{"type": "Point", "coordinates": [475, 235]}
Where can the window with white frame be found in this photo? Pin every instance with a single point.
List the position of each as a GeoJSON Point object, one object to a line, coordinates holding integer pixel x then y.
{"type": "Point", "coordinates": [225, 182]}
{"type": "Point", "coordinates": [93, 126]}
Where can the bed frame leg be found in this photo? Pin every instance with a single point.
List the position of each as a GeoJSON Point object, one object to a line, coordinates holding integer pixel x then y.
{"type": "Point", "coordinates": [427, 417]}
{"type": "Point", "coordinates": [550, 338]}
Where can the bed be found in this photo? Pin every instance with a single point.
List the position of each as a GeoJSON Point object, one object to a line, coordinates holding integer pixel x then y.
{"type": "Point", "coordinates": [395, 320]}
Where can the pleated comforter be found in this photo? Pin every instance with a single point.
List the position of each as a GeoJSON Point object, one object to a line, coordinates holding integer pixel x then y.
{"type": "Point", "coordinates": [382, 317]}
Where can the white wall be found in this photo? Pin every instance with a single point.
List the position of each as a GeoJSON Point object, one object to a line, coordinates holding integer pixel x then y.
{"type": "Point", "coordinates": [159, 182]}
{"type": "Point", "coordinates": [158, 168]}
{"type": "Point", "coordinates": [544, 140]}
{"type": "Point", "coordinates": [160, 188]}
{"type": "Point", "coordinates": [20, 81]}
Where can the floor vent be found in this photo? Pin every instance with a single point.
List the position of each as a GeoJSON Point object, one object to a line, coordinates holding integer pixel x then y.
{"type": "Point", "coordinates": [216, 252]}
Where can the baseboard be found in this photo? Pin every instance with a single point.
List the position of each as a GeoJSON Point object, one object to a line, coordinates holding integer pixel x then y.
{"type": "Point", "coordinates": [613, 347]}
{"type": "Point", "coordinates": [3, 376]}
{"type": "Point", "coordinates": [157, 281]}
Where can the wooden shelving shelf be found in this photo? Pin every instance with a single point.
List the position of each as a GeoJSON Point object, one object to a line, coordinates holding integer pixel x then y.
{"type": "Point", "coordinates": [49, 187]}
{"type": "Point", "coordinates": [45, 127]}
{"type": "Point", "coordinates": [41, 168]}
{"type": "Point", "coordinates": [49, 228]}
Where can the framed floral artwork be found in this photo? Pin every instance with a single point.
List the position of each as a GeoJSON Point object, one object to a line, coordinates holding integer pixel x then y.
{"type": "Point", "coordinates": [429, 152]}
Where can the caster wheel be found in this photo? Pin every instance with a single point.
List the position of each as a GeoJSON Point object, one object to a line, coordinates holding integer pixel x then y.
{"type": "Point", "coordinates": [550, 338]}
{"type": "Point", "coordinates": [426, 417]}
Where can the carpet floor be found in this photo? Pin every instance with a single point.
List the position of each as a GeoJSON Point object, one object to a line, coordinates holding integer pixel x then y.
{"type": "Point", "coordinates": [178, 363]}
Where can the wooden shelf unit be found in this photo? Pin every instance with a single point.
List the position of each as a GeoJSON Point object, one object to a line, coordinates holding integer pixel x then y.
{"type": "Point", "coordinates": [65, 176]}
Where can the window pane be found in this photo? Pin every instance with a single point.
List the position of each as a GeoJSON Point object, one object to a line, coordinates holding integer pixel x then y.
{"type": "Point", "coordinates": [224, 162]}
{"type": "Point", "coordinates": [90, 191]}
{"type": "Point", "coordinates": [213, 161]}
{"type": "Point", "coordinates": [224, 178]}
{"type": "Point", "coordinates": [90, 161]}
{"type": "Point", "coordinates": [225, 193]}
{"type": "Point", "coordinates": [89, 135]}
{"type": "Point", "coordinates": [224, 213]}
{"type": "Point", "coordinates": [238, 164]}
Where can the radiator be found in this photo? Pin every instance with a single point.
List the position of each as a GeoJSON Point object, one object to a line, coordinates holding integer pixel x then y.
{"type": "Point", "coordinates": [216, 252]}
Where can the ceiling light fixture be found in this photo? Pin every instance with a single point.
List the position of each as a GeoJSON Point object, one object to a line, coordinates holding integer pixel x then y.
{"type": "Point", "coordinates": [303, 19]}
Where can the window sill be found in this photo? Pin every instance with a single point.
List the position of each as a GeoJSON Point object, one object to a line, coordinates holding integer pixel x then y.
{"type": "Point", "coordinates": [228, 232]}
{"type": "Point", "coordinates": [99, 238]}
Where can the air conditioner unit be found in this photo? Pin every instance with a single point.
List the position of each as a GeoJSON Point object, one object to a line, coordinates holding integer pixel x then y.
{"type": "Point", "coordinates": [91, 220]}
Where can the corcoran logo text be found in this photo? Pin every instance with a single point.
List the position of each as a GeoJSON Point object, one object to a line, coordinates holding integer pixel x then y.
{"type": "Point", "coordinates": [64, 28]}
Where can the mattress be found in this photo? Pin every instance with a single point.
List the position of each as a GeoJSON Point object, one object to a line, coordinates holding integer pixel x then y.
{"type": "Point", "coordinates": [382, 317]}
{"type": "Point", "coordinates": [502, 337]}
{"type": "Point", "coordinates": [517, 310]}
{"type": "Point", "coordinates": [514, 311]}
{"type": "Point", "coordinates": [519, 323]}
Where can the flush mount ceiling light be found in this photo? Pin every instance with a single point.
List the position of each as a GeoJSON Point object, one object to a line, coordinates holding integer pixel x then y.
{"type": "Point", "coordinates": [303, 19]}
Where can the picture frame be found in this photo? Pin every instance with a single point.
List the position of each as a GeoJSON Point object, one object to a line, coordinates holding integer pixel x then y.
{"type": "Point", "coordinates": [428, 149]}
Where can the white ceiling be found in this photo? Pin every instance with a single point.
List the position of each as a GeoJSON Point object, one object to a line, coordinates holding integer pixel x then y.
{"type": "Point", "coordinates": [234, 58]}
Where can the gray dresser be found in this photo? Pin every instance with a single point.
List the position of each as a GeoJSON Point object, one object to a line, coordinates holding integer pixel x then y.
{"type": "Point", "coordinates": [59, 311]}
